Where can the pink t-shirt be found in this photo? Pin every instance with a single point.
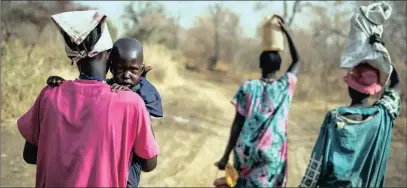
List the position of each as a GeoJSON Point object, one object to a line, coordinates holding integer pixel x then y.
{"type": "Point", "coordinates": [86, 133]}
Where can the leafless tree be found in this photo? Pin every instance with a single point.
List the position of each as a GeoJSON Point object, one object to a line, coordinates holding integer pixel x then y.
{"type": "Point", "coordinates": [288, 17]}
{"type": "Point", "coordinates": [215, 37]}
{"type": "Point", "coordinates": [296, 8]}
{"type": "Point", "coordinates": [144, 19]}
{"type": "Point", "coordinates": [16, 17]}
{"type": "Point", "coordinates": [215, 12]}
{"type": "Point", "coordinates": [149, 22]}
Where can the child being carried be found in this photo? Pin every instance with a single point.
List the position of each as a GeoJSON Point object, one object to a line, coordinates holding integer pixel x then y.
{"type": "Point", "coordinates": [129, 73]}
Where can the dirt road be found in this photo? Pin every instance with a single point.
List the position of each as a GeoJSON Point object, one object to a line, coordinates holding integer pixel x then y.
{"type": "Point", "coordinates": [193, 135]}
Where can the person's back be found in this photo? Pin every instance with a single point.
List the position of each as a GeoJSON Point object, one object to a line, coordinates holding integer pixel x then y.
{"type": "Point", "coordinates": [354, 142]}
{"type": "Point", "coordinates": [358, 150]}
{"type": "Point", "coordinates": [129, 74]}
{"type": "Point", "coordinates": [83, 134]}
{"type": "Point", "coordinates": [259, 132]}
{"type": "Point", "coordinates": [81, 107]}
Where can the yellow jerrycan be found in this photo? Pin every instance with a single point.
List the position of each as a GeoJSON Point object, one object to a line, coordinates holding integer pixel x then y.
{"type": "Point", "coordinates": [230, 178]}
{"type": "Point", "coordinates": [272, 35]}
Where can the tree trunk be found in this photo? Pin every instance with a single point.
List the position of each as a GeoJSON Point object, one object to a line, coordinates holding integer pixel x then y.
{"type": "Point", "coordinates": [285, 13]}
{"type": "Point", "coordinates": [214, 59]}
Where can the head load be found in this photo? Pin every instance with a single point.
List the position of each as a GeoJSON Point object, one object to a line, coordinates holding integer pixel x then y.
{"type": "Point", "coordinates": [366, 25]}
{"type": "Point", "coordinates": [85, 33]}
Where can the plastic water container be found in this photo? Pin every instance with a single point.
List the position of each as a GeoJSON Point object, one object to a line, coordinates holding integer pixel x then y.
{"type": "Point", "coordinates": [273, 37]}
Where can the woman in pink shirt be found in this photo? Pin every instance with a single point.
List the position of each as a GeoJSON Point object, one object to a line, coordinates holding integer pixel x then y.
{"type": "Point", "coordinates": [82, 134]}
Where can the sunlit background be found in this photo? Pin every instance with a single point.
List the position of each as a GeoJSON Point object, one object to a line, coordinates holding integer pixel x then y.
{"type": "Point", "coordinates": [179, 41]}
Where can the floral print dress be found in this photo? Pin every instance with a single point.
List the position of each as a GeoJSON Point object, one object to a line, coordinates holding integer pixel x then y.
{"type": "Point", "coordinates": [260, 154]}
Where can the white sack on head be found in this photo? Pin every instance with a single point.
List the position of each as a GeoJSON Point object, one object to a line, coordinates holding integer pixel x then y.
{"type": "Point", "coordinates": [368, 21]}
{"type": "Point", "coordinates": [78, 25]}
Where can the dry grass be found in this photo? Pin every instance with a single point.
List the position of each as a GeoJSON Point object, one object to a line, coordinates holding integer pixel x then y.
{"type": "Point", "coordinates": [188, 149]}
{"type": "Point", "coordinates": [190, 99]}
{"type": "Point", "coordinates": [165, 72]}
{"type": "Point", "coordinates": [22, 80]}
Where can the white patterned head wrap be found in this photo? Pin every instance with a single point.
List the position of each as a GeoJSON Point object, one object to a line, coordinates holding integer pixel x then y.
{"type": "Point", "coordinates": [77, 25]}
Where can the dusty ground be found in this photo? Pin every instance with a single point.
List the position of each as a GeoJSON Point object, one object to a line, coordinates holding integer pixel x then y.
{"type": "Point", "coordinates": [193, 135]}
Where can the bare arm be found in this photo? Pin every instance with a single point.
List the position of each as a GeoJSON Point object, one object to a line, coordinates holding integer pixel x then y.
{"type": "Point", "coordinates": [234, 135]}
{"type": "Point", "coordinates": [295, 65]}
{"type": "Point", "coordinates": [390, 99]}
{"type": "Point", "coordinates": [146, 147]}
{"type": "Point", "coordinates": [30, 153]}
{"type": "Point", "coordinates": [394, 77]}
{"type": "Point", "coordinates": [147, 165]}
{"type": "Point", "coordinates": [394, 80]}
{"type": "Point", "coordinates": [28, 125]}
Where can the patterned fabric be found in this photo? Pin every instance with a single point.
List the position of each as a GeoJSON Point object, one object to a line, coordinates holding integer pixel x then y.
{"type": "Point", "coordinates": [354, 153]}
{"type": "Point", "coordinates": [391, 102]}
{"type": "Point", "coordinates": [312, 173]}
{"type": "Point", "coordinates": [261, 150]}
{"type": "Point", "coordinates": [78, 25]}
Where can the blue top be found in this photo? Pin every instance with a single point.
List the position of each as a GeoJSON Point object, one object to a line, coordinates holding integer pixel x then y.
{"type": "Point", "coordinates": [149, 94]}
{"type": "Point", "coordinates": [151, 97]}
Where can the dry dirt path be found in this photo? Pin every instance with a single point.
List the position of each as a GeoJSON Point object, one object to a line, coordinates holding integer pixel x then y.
{"type": "Point", "coordinates": [189, 149]}
{"type": "Point", "coordinates": [193, 135]}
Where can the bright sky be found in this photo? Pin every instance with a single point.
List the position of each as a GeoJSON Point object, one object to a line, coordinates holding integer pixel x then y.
{"type": "Point", "coordinates": [190, 10]}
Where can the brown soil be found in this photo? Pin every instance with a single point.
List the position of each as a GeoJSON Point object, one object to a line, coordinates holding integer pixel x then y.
{"type": "Point", "coordinates": [193, 135]}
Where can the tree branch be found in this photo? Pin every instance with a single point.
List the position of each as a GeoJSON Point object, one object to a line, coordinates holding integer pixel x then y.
{"type": "Point", "coordinates": [295, 8]}
{"type": "Point", "coordinates": [285, 14]}
{"type": "Point", "coordinates": [328, 32]}
{"type": "Point", "coordinates": [337, 32]}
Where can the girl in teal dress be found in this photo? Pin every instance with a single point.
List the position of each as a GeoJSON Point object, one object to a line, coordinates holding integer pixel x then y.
{"type": "Point", "coordinates": [259, 131]}
{"type": "Point", "coordinates": [354, 142]}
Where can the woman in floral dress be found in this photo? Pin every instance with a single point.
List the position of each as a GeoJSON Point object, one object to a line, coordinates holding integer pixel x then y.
{"type": "Point", "coordinates": [259, 131]}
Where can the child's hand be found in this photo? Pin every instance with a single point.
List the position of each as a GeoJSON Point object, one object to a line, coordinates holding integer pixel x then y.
{"type": "Point", "coordinates": [54, 81]}
{"type": "Point", "coordinates": [116, 87]}
{"type": "Point", "coordinates": [146, 69]}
